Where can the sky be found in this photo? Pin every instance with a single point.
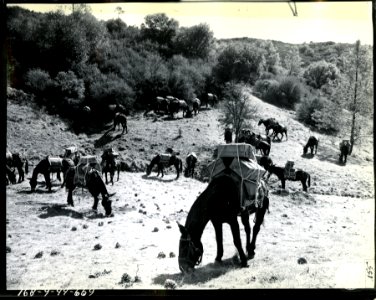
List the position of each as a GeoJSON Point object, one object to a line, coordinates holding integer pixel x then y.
{"type": "Point", "coordinates": [319, 21]}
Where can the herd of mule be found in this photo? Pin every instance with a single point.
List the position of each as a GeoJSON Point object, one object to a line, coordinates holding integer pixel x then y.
{"type": "Point", "coordinates": [218, 203]}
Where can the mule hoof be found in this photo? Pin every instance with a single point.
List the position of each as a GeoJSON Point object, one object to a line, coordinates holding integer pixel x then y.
{"type": "Point", "coordinates": [244, 265]}
{"type": "Point", "coordinates": [71, 204]}
{"type": "Point", "coordinates": [251, 255]}
{"type": "Point", "coordinates": [94, 208]}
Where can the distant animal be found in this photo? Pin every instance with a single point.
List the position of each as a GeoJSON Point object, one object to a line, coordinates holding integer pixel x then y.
{"type": "Point", "coordinates": [120, 119]}
{"type": "Point", "coordinates": [228, 135]}
{"type": "Point", "coordinates": [93, 182]}
{"type": "Point", "coordinates": [219, 203]}
{"type": "Point", "coordinates": [10, 175]}
{"type": "Point", "coordinates": [18, 161]}
{"type": "Point", "coordinates": [312, 144]}
{"type": "Point", "coordinates": [212, 99]}
{"type": "Point", "coordinates": [119, 108]}
{"type": "Point", "coordinates": [165, 160]}
{"type": "Point", "coordinates": [161, 105]}
{"type": "Point", "coordinates": [279, 129]}
{"type": "Point", "coordinates": [252, 139]}
{"type": "Point", "coordinates": [190, 161]}
{"type": "Point", "coordinates": [300, 175]}
{"type": "Point", "coordinates": [47, 166]}
{"type": "Point", "coordinates": [345, 150]}
{"type": "Point", "coordinates": [196, 103]}
{"type": "Point", "coordinates": [177, 105]}
{"type": "Point", "coordinates": [268, 123]}
{"type": "Point", "coordinates": [109, 165]}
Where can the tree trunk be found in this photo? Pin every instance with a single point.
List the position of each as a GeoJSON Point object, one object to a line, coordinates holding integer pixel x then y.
{"type": "Point", "coordinates": [354, 109]}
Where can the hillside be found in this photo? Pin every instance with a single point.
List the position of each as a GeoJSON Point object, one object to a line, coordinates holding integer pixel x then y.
{"type": "Point", "coordinates": [52, 246]}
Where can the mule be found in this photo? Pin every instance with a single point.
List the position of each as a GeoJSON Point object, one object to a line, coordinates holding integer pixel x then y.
{"type": "Point", "coordinates": [163, 161]}
{"type": "Point", "coordinates": [190, 161]}
{"type": "Point", "coordinates": [265, 162]}
{"type": "Point", "coordinates": [300, 175]}
{"type": "Point", "coordinates": [345, 150]}
{"type": "Point", "coordinates": [176, 106]}
{"type": "Point", "coordinates": [161, 105]}
{"type": "Point", "coordinates": [93, 182]}
{"type": "Point", "coordinates": [18, 161]}
{"type": "Point", "coordinates": [219, 203]}
{"type": "Point", "coordinates": [47, 166]}
{"type": "Point", "coordinates": [110, 165]}
{"type": "Point", "coordinates": [120, 119]}
{"type": "Point", "coordinates": [312, 144]}
{"type": "Point", "coordinates": [268, 123]}
{"type": "Point", "coordinates": [279, 129]}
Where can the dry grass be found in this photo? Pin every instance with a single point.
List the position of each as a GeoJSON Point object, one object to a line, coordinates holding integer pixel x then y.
{"type": "Point", "coordinates": [52, 246]}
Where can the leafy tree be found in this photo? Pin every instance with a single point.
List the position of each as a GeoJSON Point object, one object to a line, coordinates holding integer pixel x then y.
{"type": "Point", "coordinates": [160, 29]}
{"type": "Point", "coordinates": [194, 42]}
{"type": "Point", "coordinates": [240, 63]}
{"type": "Point", "coordinates": [320, 73]}
{"type": "Point", "coordinates": [271, 60]}
{"type": "Point", "coordinates": [236, 107]}
{"type": "Point", "coordinates": [293, 62]}
{"type": "Point", "coordinates": [357, 88]}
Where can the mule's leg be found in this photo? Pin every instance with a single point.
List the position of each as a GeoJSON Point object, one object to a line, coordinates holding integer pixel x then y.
{"type": "Point", "coordinates": [70, 197]}
{"type": "Point", "coordinates": [260, 213]}
{"type": "Point", "coordinates": [283, 181]}
{"type": "Point", "coordinates": [303, 181]}
{"type": "Point", "coordinates": [21, 174]}
{"type": "Point", "coordinates": [96, 200]}
{"type": "Point", "coordinates": [237, 241]}
{"type": "Point", "coordinates": [118, 173]}
{"type": "Point", "coordinates": [247, 228]}
{"type": "Point", "coordinates": [48, 181]}
{"type": "Point", "coordinates": [219, 237]}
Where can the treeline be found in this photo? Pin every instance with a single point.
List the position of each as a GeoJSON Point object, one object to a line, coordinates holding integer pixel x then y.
{"type": "Point", "coordinates": [70, 61]}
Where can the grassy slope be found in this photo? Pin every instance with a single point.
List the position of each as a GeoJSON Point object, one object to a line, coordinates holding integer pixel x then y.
{"type": "Point", "coordinates": [331, 227]}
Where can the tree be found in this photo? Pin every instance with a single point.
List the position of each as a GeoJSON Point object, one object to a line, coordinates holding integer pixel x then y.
{"type": "Point", "coordinates": [236, 108]}
{"type": "Point", "coordinates": [320, 73]}
{"type": "Point", "coordinates": [293, 62]}
{"type": "Point", "coordinates": [357, 88]}
{"type": "Point", "coordinates": [194, 42]}
{"type": "Point", "coordinates": [272, 62]}
{"type": "Point", "coordinates": [159, 28]}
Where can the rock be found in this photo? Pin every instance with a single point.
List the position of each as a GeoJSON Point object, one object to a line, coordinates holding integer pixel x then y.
{"type": "Point", "coordinates": [9, 250]}
{"type": "Point", "coordinates": [302, 261]}
{"type": "Point", "coordinates": [161, 255]}
{"type": "Point", "coordinates": [155, 229]}
{"type": "Point", "coordinates": [172, 254]}
{"type": "Point", "coordinates": [117, 245]}
{"type": "Point", "coordinates": [97, 247]}
{"type": "Point", "coordinates": [170, 284]}
{"type": "Point", "coordinates": [39, 254]}
{"type": "Point", "coordinates": [74, 228]}
{"type": "Point", "coordinates": [125, 278]}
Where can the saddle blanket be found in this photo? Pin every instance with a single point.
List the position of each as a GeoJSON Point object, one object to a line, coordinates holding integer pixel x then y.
{"type": "Point", "coordinates": [165, 158]}
{"type": "Point", "coordinates": [55, 162]}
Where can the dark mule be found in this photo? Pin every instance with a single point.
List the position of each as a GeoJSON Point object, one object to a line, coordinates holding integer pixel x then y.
{"type": "Point", "coordinates": [196, 103]}
{"type": "Point", "coordinates": [16, 160]}
{"type": "Point", "coordinates": [47, 166]}
{"type": "Point", "coordinates": [345, 150]}
{"type": "Point", "coordinates": [190, 161]}
{"type": "Point", "coordinates": [219, 203]}
{"type": "Point", "coordinates": [120, 119]}
{"type": "Point", "coordinates": [268, 123]}
{"type": "Point", "coordinates": [165, 160]}
{"type": "Point", "coordinates": [265, 162]}
{"type": "Point", "coordinates": [109, 165]}
{"type": "Point", "coordinates": [10, 175]}
{"type": "Point", "coordinates": [279, 129]}
{"type": "Point", "coordinates": [251, 139]}
{"type": "Point", "coordinates": [312, 144]}
{"type": "Point", "coordinates": [300, 175]}
{"type": "Point", "coordinates": [93, 182]}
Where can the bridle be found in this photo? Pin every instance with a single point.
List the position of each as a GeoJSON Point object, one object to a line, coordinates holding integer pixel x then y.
{"type": "Point", "coordinates": [191, 247]}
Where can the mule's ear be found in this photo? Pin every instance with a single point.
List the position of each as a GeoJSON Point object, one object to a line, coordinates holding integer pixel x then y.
{"type": "Point", "coordinates": [182, 228]}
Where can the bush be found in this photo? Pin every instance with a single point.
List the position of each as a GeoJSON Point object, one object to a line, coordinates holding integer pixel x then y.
{"type": "Point", "coordinates": [38, 82]}
{"type": "Point", "coordinates": [284, 92]}
{"type": "Point", "coordinates": [307, 107]}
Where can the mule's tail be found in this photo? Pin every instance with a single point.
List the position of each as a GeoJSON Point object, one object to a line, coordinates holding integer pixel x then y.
{"type": "Point", "coordinates": [286, 133]}
{"type": "Point", "coordinates": [317, 145]}
{"type": "Point", "coordinates": [26, 166]}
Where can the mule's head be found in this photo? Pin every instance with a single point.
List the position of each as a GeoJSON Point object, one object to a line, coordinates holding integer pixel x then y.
{"type": "Point", "coordinates": [190, 252]}
{"type": "Point", "coordinates": [33, 184]}
{"type": "Point", "coordinates": [107, 205]}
